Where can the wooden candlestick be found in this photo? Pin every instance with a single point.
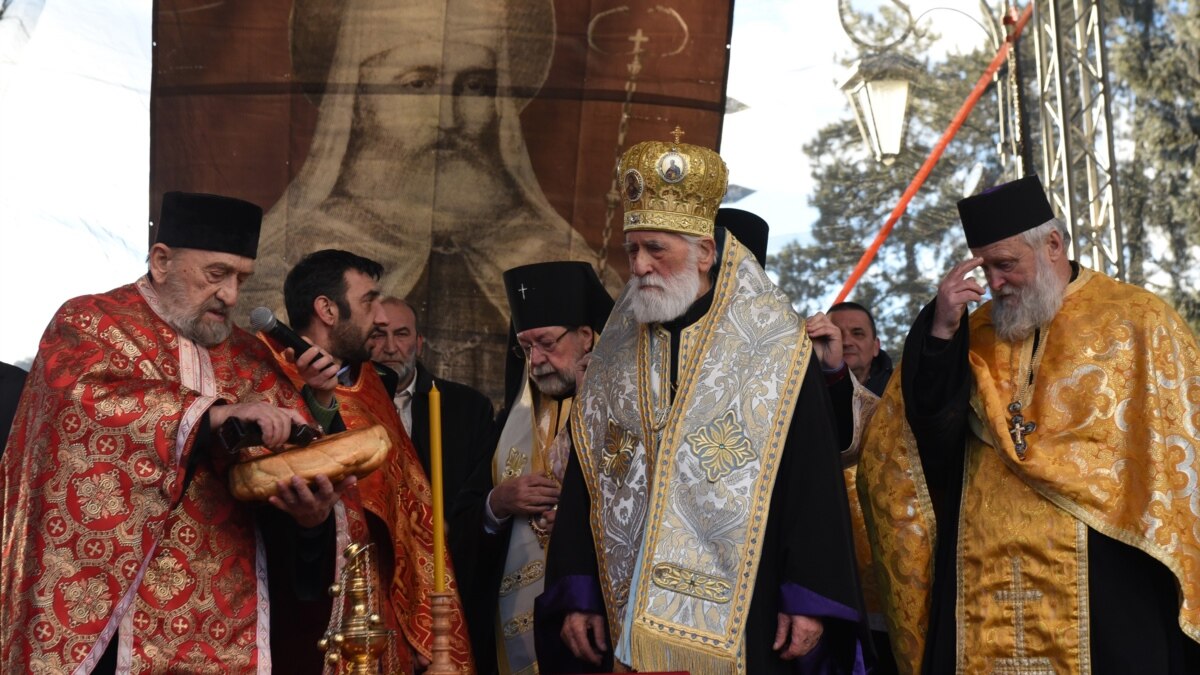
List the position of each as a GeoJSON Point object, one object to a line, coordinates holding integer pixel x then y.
{"type": "Point", "coordinates": [442, 605]}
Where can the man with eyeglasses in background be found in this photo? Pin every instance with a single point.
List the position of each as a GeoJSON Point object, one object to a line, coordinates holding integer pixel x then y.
{"type": "Point", "coordinates": [505, 514]}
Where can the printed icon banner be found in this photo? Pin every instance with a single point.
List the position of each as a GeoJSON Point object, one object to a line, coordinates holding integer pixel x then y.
{"type": "Point", "coordinates": [446, 139]}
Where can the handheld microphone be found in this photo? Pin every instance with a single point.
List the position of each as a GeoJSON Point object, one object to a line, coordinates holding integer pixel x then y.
{"type": "Point", "coordinates": [263, 319]}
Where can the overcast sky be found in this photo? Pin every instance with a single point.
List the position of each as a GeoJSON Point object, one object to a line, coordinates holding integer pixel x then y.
{"type": "Point", "coordinates": [74, 136]}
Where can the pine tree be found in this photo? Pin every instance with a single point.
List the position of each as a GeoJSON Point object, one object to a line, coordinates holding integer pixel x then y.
{"type": "Point", "coordinates": [855, 194]}
{"type": "Point", "coordinates": [1155, 57]}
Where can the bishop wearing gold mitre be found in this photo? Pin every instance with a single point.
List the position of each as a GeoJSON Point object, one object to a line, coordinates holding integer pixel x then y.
{"type": "Point", "coordinates": [705, 461]}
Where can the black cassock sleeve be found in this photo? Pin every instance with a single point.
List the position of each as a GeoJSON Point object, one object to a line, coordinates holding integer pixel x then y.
{"type": "Point", "coordinates": [936, 384]}
{"type": "Point", "coordinates": [572, 578]}
{"type": "Point", "coordinates": [479, 561]}
{"type": "Point", "coordinates": [807, 564]}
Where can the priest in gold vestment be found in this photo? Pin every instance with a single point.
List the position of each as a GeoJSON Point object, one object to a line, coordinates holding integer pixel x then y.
{"type": "Point", "coordinates": [1030, 477]}
{"type": "Point", "coordinates": [122, 547]}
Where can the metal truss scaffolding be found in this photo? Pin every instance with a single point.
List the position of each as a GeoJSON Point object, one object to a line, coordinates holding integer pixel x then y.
{"type": "Point", "coordinates": [1078, 166]}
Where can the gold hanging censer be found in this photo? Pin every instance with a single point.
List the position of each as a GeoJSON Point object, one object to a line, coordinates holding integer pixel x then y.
{"type": "Point", "coordinates": [357, 638]}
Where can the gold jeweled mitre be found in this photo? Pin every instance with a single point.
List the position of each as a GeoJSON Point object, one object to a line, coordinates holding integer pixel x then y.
{"type": "Point", "coordinates": [672, 186]}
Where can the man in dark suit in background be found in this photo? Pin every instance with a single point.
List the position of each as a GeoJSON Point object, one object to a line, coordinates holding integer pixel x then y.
{"type": "Point", "coordinates": [12, 381]}
{"type": "Point", "coordinates": [467, 415]}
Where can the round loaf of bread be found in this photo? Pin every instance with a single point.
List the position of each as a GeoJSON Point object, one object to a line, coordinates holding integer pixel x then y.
{"type": "Point", "coordinates": [351, 453]}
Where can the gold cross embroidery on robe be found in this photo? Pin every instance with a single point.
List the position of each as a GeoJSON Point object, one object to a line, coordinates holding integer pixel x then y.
{"type": "Point", "coordinates": [1017, 595]}
{"type": "Point", "coordinates": [514, 464]}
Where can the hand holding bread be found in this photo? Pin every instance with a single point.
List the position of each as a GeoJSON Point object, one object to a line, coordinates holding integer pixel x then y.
{"type": "Point", "coordinates": [351, 453]}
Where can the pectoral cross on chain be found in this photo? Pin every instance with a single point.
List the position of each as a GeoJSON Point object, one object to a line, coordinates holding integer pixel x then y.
{"type": "Point", "coordinates": [1019, 428]}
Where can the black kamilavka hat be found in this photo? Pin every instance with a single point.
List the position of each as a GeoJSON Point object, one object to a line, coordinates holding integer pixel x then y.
{"type": "Point", "coordinates": [1003, 211]}
{"type": "Point", "coordinates": [565, 293]}
{"type": "Point", "coordinates": [210, 223]}
{"type": "Point", "coordinates": [748, 228]}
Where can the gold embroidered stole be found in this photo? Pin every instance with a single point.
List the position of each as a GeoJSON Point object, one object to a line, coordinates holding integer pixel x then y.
{"type": "Point", "coordinates": [527, 444]}
{"type": "Point", "coordinates": [1022, 576]}
{"type": "Point", "coordinates": [863, 404]}
{"type": "Point", "coordinates": [1114, 449]}
{"type": "Point", "coordinates": [694, 475]}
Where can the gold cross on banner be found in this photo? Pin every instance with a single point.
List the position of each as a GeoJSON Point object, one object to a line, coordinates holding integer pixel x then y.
{"type": "Point", "coordinates": [637, 39]}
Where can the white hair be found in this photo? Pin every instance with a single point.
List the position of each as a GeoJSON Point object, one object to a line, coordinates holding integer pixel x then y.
{"type": "Point", "coordinates": [1037, 235]}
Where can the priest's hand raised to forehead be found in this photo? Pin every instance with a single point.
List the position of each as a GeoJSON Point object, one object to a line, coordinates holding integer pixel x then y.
{"type": "Point", "coordinates": [826, 339]}
{"type": "Point", "coordinates": [526, 495]}
{"type": "Point", "coordinates": [955, 291]}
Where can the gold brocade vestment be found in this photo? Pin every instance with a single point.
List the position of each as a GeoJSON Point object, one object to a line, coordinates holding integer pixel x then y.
{"type": "Point", "coordinates": [1116, 400]}
{"type": "Point", "coordinates": [863, 403]}
{"type": "Point", "coordinates": [534, 441]}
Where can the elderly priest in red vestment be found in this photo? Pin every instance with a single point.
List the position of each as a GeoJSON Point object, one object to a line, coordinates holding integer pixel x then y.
{"type": "Point", "coordinates": [1030, 476]}
{"type": "Point", "coordinates": [123, 548]}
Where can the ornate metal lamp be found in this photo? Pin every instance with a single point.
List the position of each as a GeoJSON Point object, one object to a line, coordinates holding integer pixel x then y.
{"type": "Point", "coordinates": [878, 93]}
{"type": "Point", "coordinates": [360, 639]}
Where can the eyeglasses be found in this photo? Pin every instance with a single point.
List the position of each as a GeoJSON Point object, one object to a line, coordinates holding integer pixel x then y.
{"type": "Point", "coordinates": [523, 351]}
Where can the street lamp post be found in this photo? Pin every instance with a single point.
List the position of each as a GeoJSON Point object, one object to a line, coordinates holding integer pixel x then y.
{"type": "Point", "coordinates": [879, 85]}
{"type": "Point", "coordinates": [878, 93]}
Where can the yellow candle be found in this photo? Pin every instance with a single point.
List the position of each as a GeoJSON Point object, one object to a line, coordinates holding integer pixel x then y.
{"type": "Point", "coordinates": [435, 478]}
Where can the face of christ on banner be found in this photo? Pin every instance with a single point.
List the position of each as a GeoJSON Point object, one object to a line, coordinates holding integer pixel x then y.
{"type": "Point", "coordinates": [440, 124]}
{"type": "Point", "coordinates": [419, 157]}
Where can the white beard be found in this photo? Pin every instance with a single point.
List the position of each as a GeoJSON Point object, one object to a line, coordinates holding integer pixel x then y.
{"type": "Point", "coordinates": [1017, 312]}
{"type": "Point", "coordinates": [655, 298]}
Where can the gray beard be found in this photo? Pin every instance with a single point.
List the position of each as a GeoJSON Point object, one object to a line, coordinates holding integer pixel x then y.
{"type": "Point", "coordinates": [552, 382]}
{"type": "Point", "coordinates": [404, 369]}
{"type": "Point", "coordinates": [1035, 305]}
{"type": "Point", "coordinates": [192, 324]}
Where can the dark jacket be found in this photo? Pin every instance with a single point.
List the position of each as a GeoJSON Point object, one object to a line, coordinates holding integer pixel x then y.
{"type": "Point", "coordinates": [12, 381]}
{"type": "Point", "coordinates": [468, 430]}
{"type": "Point", "coordinates": [881, 372]}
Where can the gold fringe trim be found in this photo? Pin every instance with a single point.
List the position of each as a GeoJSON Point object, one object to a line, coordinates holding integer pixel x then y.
{"type": "Point", "coordinates": [653, 650]}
